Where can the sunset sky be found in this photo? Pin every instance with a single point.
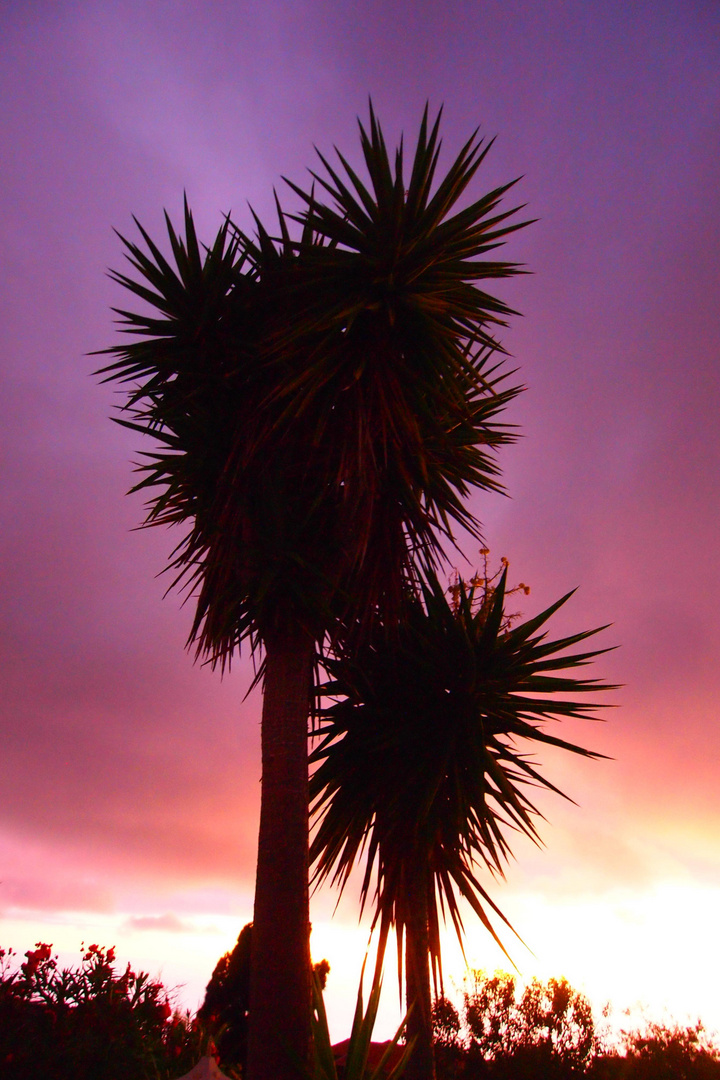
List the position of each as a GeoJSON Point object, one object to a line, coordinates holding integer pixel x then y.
{"type": "Point", "coordinates": [129, 776]}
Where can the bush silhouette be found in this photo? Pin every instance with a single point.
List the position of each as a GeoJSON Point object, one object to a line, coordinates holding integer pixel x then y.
{"type": "Point", "coordinates": [94, 1023]}
{"type": "Point", "coordinates": [88, 1023]}
{"type": "Point", "coordinates": [225, 1008]}
{"type": "Point", "coordinates": [224, 1011]}
{"type": "Point", "coordinates": [662, 1052]}
{"type": "Point", "coordinates": [548, 1032]}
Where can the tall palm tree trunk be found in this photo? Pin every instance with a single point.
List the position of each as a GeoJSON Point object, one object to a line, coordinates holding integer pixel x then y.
{"type": "Point", "coordinates": [280, 984]}
{"type": "Point", "coordinates": [421, 1065]}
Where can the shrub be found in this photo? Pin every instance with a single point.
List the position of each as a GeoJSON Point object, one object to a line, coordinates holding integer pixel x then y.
{"type": "Point", "coordinates": [224, 1011]}
{"type": "Point", "coordinates": [89, 1022]}
{"type": "Point", "coordinates": [671, 1052]}
{"type": "Point", "coordinates": [548, 1033]}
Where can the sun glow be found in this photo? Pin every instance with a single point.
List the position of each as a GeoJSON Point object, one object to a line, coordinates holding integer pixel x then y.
{"type": "Point", "coordinates": [651, 953]}
{"type": "Point", "coordinates": [654, 952]}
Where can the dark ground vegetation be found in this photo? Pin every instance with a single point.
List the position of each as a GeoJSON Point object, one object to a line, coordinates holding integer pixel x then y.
{"type": "Point", "coordinates": [95, 1023]}
{"type": "Point", "coordinates": [89, 1022]}
{"type": "Point", "coordinates": [548, 1032]}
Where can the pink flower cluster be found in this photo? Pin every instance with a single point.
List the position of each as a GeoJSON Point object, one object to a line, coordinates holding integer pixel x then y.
{"type": "Point", "coordinates": [41, 954]}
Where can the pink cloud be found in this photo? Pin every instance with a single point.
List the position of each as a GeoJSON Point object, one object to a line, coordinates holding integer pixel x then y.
{"type": "Point", "coordinates": [167, 923]}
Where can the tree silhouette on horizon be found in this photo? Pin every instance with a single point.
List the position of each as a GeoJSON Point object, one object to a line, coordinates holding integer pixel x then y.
{"type": "Point", "coordinates": [320, 407]}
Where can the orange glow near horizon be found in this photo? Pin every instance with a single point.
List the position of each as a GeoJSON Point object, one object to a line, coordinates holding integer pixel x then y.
{"type": "Point", "coordinates": [653, 953]}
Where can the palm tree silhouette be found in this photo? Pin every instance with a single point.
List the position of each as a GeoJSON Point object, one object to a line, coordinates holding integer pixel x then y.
{"type": "Point", "coordinates": [424, 765]}
{"type": "Point", "coordinates": [320, 406]}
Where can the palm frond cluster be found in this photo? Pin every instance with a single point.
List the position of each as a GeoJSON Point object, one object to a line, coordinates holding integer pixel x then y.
{"type": "Point", "coordinates": [322, 405]}
{"type": "Point", "coordinates": [425, 763]}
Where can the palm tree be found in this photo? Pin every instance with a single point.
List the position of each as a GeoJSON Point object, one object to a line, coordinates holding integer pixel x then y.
{"type": "Point", "coordinates": [320, 407]}
{"type": "Point", "coordinates": [423, 766]}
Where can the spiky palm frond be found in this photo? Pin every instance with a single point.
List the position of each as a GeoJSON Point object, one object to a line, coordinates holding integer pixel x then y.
{"type": "Point", "coordinates": [321, 404]}
{"type": "Point", "coordinates": [424, 767]}
{"type": "Point", "coordinates": [409, 363]}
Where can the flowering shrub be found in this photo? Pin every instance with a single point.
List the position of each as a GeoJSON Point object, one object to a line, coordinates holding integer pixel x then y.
{"type": "Point", "coordinates": [89, 1022]}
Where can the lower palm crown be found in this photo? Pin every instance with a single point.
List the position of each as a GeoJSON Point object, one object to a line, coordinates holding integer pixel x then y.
{"type": "Point", "coordinates": [423, 767]}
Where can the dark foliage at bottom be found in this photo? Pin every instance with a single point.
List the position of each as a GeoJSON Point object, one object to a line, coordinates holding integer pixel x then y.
{"type": "Point", "coordinates": [89, 1023]}
{"type": "Point", "coordinates": [224, 1011]}
{"type": "Point", "coordinates": [94, 1023]}
{"type": "Point", "coordinates": [548, 1033]}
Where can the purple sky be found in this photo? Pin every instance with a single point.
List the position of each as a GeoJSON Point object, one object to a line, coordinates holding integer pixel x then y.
{"type": "Point", "coordinates": [129, 776]}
